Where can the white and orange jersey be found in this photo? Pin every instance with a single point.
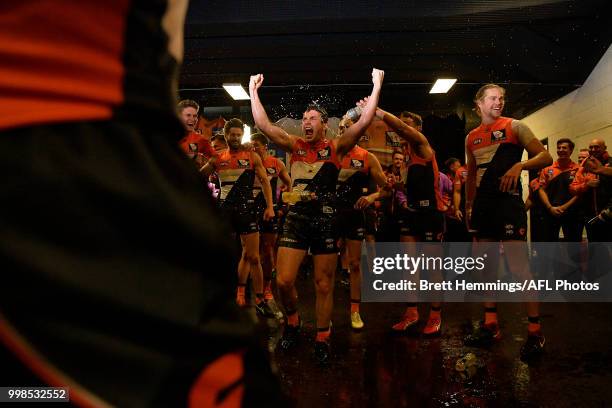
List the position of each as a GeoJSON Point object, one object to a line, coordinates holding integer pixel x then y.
{"type": "Point", "coordinates": [236, 175]}
{"type": "Point", "coordinates": [315, 168]}
{"type": "Point", "coordinates": [496, 148]}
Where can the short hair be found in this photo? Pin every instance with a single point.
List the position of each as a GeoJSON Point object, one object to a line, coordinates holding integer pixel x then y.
{"type": "Point", "coordinates": [416, 118]}
{"type": "Point", "coordinates": [449, 162]}
{"type": "Point", "coordinates": [584, 149]}
{"type": "Point", "coordinates": [187, 103]}
{"type": "Point", "coordinates": [232, 123]}
{"type": "Point", "coordinates": [568, 141]}
{"type": "Point", "coordinates": [218, 136]}
{"type": "Point", "coordinates": [481, 91]}
{"type": "Point", "coordinates": [259, 138]}
{"type": "Point", "coordinates": [397, 152]}
{"type": "Point", "coordinates": [320, 109]}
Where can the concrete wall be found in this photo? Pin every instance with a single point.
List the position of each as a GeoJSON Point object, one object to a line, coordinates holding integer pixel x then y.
{"type": "Point", "coordinates": [582, 115]}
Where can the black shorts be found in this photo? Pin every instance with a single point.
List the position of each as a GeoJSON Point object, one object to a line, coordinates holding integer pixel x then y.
{"type": "Point", "coordinates": [351, 224]}
{"type": "Point", "coordinates": [500, 218]}
{"type": "Point", "coordinates": [268, 227]}
{"type": "Point", "coordinates": [243, 220]}
{"type": "Point", "coordinates": [316, 231]}
{"type": "Point", "coordinates": [370, 221]}
{"type": "Point", "coordinates": [425, 225]}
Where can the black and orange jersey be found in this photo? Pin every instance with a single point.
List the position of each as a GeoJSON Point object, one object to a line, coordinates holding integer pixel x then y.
{"type": "Point", "coordinates": [194, 144]}
{"type": "Point", "coordinates": [273, 168]}
{"type": "Point", "coordinates": [596, 199]}
{"type": "Point", "coordinates": [90, 60]}
{"type": "Point", "coordinates": [422, 184]}
{"type": "Point", "coordinates": [496, 148]}
{"type": "Point", "coordinates": [237, 176]}
{"type": "Point", "coordinates": [315, 168]}
{"type": "Point", "coordinates": [353, 179]}
{"type": "Point", "coordinates": [555, 180]}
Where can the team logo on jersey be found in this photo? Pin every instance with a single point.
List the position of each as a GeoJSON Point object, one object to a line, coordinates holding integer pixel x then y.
{"type": "Point", "coordinates": [392, 139]}
{"type": "Point", "coordinates": [324, 154]}
{"type": "Point", "coordinates": [243, 163]}
{"type": "Point", "coordinates": [364, 138]}
{"type": "Point", "coordinates": [301, 152]}
{"type": "Point", "coordinates": [498, 136]}
{"type": "Point", "coordinates": [357, 164]}
{"type": "Point", "coordinates": [193, 147]}
{"type": "Point", "coordinates": [271, 170]}
{"type": "Point", "coordinates": [550, 172]}
{"type": "Point", "coordinates": [477, 141]}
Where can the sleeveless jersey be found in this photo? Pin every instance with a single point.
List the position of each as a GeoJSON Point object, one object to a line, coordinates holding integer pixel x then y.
{"type": "Point", "coordinates": [236, 175]}
{"type": "Point", "coordinates": [273, 168]}
{"type": "Point", "coordinates": [353, 179]}
{"type": "Point", "coordinates": [315, 168]}
{"type": "Point", "coordinates": [496, 148]}
{"type": "Point", "coordinates": [422, 184]}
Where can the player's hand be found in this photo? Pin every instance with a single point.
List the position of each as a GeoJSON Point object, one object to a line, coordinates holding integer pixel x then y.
{"type": "Point", "coordinates": [556, 211]}
{"type": "Point", "coordinates": [364, 202]}
{"type": "Point", "coordinates": [510, 180]}
{"type": "Point", "coordinates": [268, 214]}
{"type": "Point", "coordinates": [459, 214]}
{"type": "Point", "coordinates": [255, 82]}
{"type": "Point", "coordinates": [377, 77]}
{"type": "Point", "coordinates": [592, 164]}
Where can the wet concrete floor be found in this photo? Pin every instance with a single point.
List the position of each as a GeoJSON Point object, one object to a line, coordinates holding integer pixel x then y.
{"type": "Point", "coordinates": [374, 368]}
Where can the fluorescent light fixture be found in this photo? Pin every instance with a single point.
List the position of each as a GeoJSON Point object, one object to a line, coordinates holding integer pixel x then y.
{"type": "Point", "coordinates": [442, 85]}
{"type": "Point", "coordinates": [246, 137]}
{"type": "Point", "coordinates": [236, 91]}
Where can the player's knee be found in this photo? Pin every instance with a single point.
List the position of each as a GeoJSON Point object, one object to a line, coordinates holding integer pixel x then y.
{"type": "Point", "coordinates": [283, 283]}
{"type": "Point", "coordinates": [323, 285]}
{"type": "Point", "coordinates": [250, 257]}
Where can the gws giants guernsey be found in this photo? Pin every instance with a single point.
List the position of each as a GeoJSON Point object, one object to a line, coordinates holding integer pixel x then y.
{"type": "Point", "coordinates": [496, 148]}
{"type": "Point", "coordinates": [273, 168]}
{"type": "Point", "coordinates": [236, 175]}
{"type": "Point", "coordinates": [353, 179]}
{"type": "Point", "coordinates": [315, 168]}
{"type": "Point", "coordinates": [422, 184]}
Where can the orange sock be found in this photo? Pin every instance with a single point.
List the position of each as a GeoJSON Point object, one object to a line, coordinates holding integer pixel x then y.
{"type": "Point", "coordinates": [268, 291]}
{"type": "Point", "coordinates": [411, 313]}
{"type": "Point", "coordinates": [355, 305]}
{"type": "Point", "coordinates": [435, 313]}
{"type": "Point", "coordinates": [240, 297]}
{"type": "Point", "coordinates": [293, 319]}
{"type": "Point", "coordinates": [490, 316]}
{"type": "Point", "coordinates": [323, 334]}
{"type": "Point", "coordinates": [534, 327]}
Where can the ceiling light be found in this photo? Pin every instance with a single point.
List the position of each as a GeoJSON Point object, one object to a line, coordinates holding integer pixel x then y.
{"type": "Point", "coordinates": [442, 85]}
{"type": "Point", "coordinates": [236, 91]}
